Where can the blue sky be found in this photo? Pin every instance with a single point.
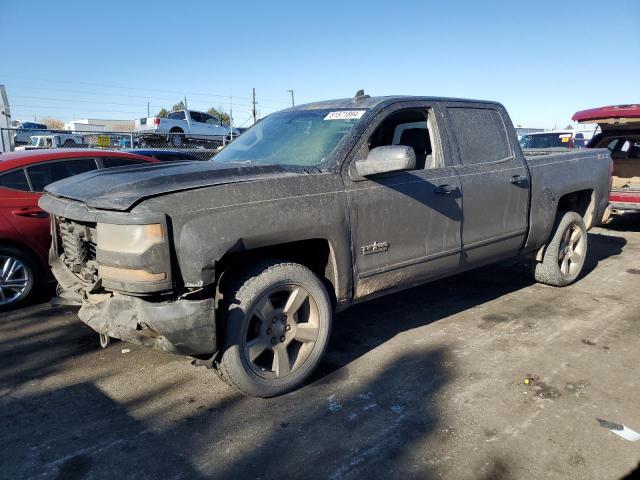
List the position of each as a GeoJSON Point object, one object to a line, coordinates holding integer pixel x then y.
{"type": "Point", "coordinates": [544, 60]}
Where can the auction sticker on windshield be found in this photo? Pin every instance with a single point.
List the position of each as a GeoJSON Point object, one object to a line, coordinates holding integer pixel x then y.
{"type": "Point", "coordinates": [345, 115]}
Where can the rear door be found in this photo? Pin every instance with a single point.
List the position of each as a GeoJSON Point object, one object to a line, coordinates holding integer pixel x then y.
{"type": "Point", "coordinates": [494, 179]}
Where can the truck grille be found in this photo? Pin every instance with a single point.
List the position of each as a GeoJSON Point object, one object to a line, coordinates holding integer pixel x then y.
{"type": "Point", "coordinates": [78, 248]}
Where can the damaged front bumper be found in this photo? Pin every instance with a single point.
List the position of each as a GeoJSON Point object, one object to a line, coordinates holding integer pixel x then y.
{"type": "Point", "coordinates": [181, 326]}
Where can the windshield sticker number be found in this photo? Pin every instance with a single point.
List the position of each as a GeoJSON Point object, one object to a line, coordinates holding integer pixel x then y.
{"type": "Point", "coordinates": [345, 115]}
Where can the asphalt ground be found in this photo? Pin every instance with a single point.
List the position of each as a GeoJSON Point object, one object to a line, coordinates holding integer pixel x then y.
{"type": "Point", "coordinates": [427, 383]}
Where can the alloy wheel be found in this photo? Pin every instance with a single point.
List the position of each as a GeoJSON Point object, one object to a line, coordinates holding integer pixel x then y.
{"type": "Point", "coordinates": [572, 249]}
{"type": "Point", "coordinates": [14, 279]}
{"type": "Point", "coordinates": [282, 331]}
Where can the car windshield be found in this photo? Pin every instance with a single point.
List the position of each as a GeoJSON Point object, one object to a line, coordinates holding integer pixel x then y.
{"type": "Point", "coordinates": [299, 137]}
{"type": "Point", "coordinates": [547, 140]}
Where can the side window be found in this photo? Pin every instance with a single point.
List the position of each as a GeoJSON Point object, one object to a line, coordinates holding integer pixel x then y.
{"type": "Point", "coordinates": [481, 135]}
{"type": "Point", "coordinates": [176, 116]}
{"type": "Point", "coordinates": [408, 127]}
{"type": "Point", "coordinates": [111, 162]}
{"type": "Point", "coordinates": [196, 117]}
{"type": "Point", "coordinates": [16, 180]}
{"type": "Point", "coordinates": [45, 173]}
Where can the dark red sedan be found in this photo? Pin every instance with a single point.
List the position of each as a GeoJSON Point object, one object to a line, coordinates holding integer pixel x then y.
{"type": "Point", "coordinates": [24, 227]}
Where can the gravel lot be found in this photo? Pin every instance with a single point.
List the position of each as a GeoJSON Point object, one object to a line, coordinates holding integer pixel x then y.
{"type": "Point", "coordinates": [428, 383]}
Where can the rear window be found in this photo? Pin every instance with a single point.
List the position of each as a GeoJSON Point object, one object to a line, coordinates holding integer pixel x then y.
{"type": "Point", "coordinates": [545, 140]}
{"type": "Point", "coordinates": [481, 135]}
{"type": "Point", "coordinates": [16, 180]}
{"type": "Point", "coordinates": [111, 162]}
{"type": "Point", "coordinates": [46, 173]}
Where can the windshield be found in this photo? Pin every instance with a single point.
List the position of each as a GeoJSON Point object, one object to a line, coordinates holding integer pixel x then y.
{"type": "Point", "coordinates": [548, 140]}
{"type": "Point", "coordinates": [300, 137]}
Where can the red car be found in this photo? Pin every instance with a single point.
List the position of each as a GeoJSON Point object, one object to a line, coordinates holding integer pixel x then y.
{"type": "Point", "coordinates": [24, 227]}
{"type": "Point", "coordinates": [620, 133]}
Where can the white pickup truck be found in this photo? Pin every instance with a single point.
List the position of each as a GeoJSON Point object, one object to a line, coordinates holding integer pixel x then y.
{"type": "Point", "coordinates": [183, 126]}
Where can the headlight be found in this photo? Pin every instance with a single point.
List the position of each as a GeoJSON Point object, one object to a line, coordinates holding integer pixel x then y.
{"type": "Point", "coordinates": [133, 258]}
{"type": "Point", "coordinates": [128, 238]}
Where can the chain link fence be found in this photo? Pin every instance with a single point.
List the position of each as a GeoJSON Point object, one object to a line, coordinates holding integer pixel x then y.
{"type": "Point", "coordinates": [167, 147]}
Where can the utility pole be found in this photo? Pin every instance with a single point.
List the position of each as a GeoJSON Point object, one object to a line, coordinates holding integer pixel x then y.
{"type": "Point", "coordinates": [231, 117]}
{"type": "Point", "coordinates": [293, 103]}
{"type": "Point", "coordinates": [253, 109]}
{"type": "Point", "coordinates": [148, 115]}
{"type": "Point", "coordinates": [185, 103]}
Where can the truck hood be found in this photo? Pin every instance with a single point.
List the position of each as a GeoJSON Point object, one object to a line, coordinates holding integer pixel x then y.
{"type": "Point", "coordinates": [121, 188]}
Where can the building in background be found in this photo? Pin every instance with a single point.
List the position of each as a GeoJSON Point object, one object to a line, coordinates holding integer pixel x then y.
{"type": "Point", "coordinates": [99, 125]}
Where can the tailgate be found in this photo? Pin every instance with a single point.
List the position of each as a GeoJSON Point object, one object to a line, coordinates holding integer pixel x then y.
{"type": "Point", "coordinates": [147, 123]}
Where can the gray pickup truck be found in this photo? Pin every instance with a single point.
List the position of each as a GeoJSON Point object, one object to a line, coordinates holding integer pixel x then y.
{"type": "Point", "coordinates": [241, 261]}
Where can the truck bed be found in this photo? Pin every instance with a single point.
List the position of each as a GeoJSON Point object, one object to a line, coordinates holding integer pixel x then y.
{"type": "Point", "coordinates": [558, 172]}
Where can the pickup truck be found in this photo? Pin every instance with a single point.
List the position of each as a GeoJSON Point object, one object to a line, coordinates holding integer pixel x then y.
{"type": "Point", "coordinates": [182, 126]}
{"type": "Point", "coordinates": [56, 140]}
{"type": "Point", "coordinates": [24, 130]}
{"type": "Point", "coordinates": [241, 261]}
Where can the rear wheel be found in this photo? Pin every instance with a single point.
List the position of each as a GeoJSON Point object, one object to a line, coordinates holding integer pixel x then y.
{"type": "Point", "coordinates": [176, 138]}
{"type": "Point", "coordinates": [565, 253]}
{"type": "Point", "coordinates": [18, 277]}
{"type": "Point", "coordinates": [276, 326]}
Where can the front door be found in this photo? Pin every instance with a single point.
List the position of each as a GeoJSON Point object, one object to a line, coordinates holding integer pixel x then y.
{"type": "Point", "coordinates": [405, 225]}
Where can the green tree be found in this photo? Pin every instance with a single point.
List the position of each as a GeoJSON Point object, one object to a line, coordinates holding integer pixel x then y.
{"type": "Point", "coordinates": [221, 114]}
{"type": "Point", "coordinates": [162, 113]}
{"type": "Point", "coordinates": [568, 127]}
{"type": "Point", "coordinates": [178, 106]}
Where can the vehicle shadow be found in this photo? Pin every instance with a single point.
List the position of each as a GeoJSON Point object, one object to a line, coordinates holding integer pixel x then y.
{"type": "Point", "coordinates": [364, 327]}
{"type": "Point", "coordinates": [629, 222]}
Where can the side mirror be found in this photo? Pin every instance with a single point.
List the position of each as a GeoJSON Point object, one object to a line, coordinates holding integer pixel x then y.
{"type": "Point", "coordinates": [390, 158]}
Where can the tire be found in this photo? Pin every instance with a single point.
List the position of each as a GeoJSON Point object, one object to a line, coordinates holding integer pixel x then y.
{"type": "Point", "coordinates": [176, 138]}
{"type": "Point", "coordinates": [19, 277]}
{"type": "Point", "coordinates": [565, 253]}
{"type": "Point", "coordinates": [276, 322]}
{"type": "Point", "coordinates": [69, 144]}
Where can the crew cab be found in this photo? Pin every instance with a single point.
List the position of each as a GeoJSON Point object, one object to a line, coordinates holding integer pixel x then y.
{"type": "Point", "coordinates": [182, 126]}
{"type": "Point", "coordinates": [620, 133]}
{"type": "Point", "coordinates": [241, 261]}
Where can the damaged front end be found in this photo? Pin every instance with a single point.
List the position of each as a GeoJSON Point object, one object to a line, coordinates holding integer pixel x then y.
{"type": "Point", "coordinates": [118, 267]}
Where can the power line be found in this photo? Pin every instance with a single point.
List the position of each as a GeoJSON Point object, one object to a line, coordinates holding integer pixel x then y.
{"type": "Point", "coordinates": [102, 85]}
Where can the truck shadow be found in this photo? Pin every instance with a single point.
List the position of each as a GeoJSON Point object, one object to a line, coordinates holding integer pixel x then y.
{"type": "Point", "coordinates": [365, 326]}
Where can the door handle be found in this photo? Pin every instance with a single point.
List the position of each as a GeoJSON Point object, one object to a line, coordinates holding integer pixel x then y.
{"type": "Point", "coordinates": [519, 180]}
{"type": "Point", "coordinates": [30, 212]}
{"type": "Point", "coordinates": [445, 189]}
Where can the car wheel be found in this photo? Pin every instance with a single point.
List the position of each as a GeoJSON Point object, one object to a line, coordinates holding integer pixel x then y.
{"type": "Point", "coordinates": [176, 139]}
{"type": "Point", "coordinates": [18, 277]}
{"type": "Point", "coordinates": [565, 253]}
{"type": "Point", "coordinates": [69, 144]}
{"type": "Point", "coordinates": [276, 323]}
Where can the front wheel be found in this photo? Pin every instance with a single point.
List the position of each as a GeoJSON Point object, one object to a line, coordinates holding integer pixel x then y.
{"type": "Point", "coordinates": [18, 277]}
{"type": "Point", "coordinates": [565, 253]}
{"type": "Point", "coordinates": [276, 324]}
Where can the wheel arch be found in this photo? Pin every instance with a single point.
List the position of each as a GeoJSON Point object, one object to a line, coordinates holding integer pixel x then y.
{"type": "Point", "coordinates": [317, 254]}
{"type": "Point", "coordinates": [42, 263]}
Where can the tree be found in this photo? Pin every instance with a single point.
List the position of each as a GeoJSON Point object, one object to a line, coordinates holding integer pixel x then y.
{"type": "Point", "coordinates": [162, 113]}
{"type": "Point", "coordinates": [568, 127]}
{"type": "Point", "coordinates": [178, 106]}
{"type": "Point", "coordinates": [53, 123]}
{"type": "Point", "coordinates": [221, 114]}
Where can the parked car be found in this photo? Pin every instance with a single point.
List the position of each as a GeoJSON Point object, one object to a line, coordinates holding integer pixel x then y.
{"type": "Point", "coordinates": [24, 227]}
{"type": "Point", "coordinates": [22, 135]}
{"type": "Point", "coordinates": [56, 140]}
{"type": "Point", "coordinates": [240, 261]}
{"type": "Point", "coordinates": [165, 155]}
{"type": "Point", "coordinates": [620, 133]}
{"type": "Point", "coordinates": [554, 139]}
{"type": "Point", "coordinates": [181, 127]}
